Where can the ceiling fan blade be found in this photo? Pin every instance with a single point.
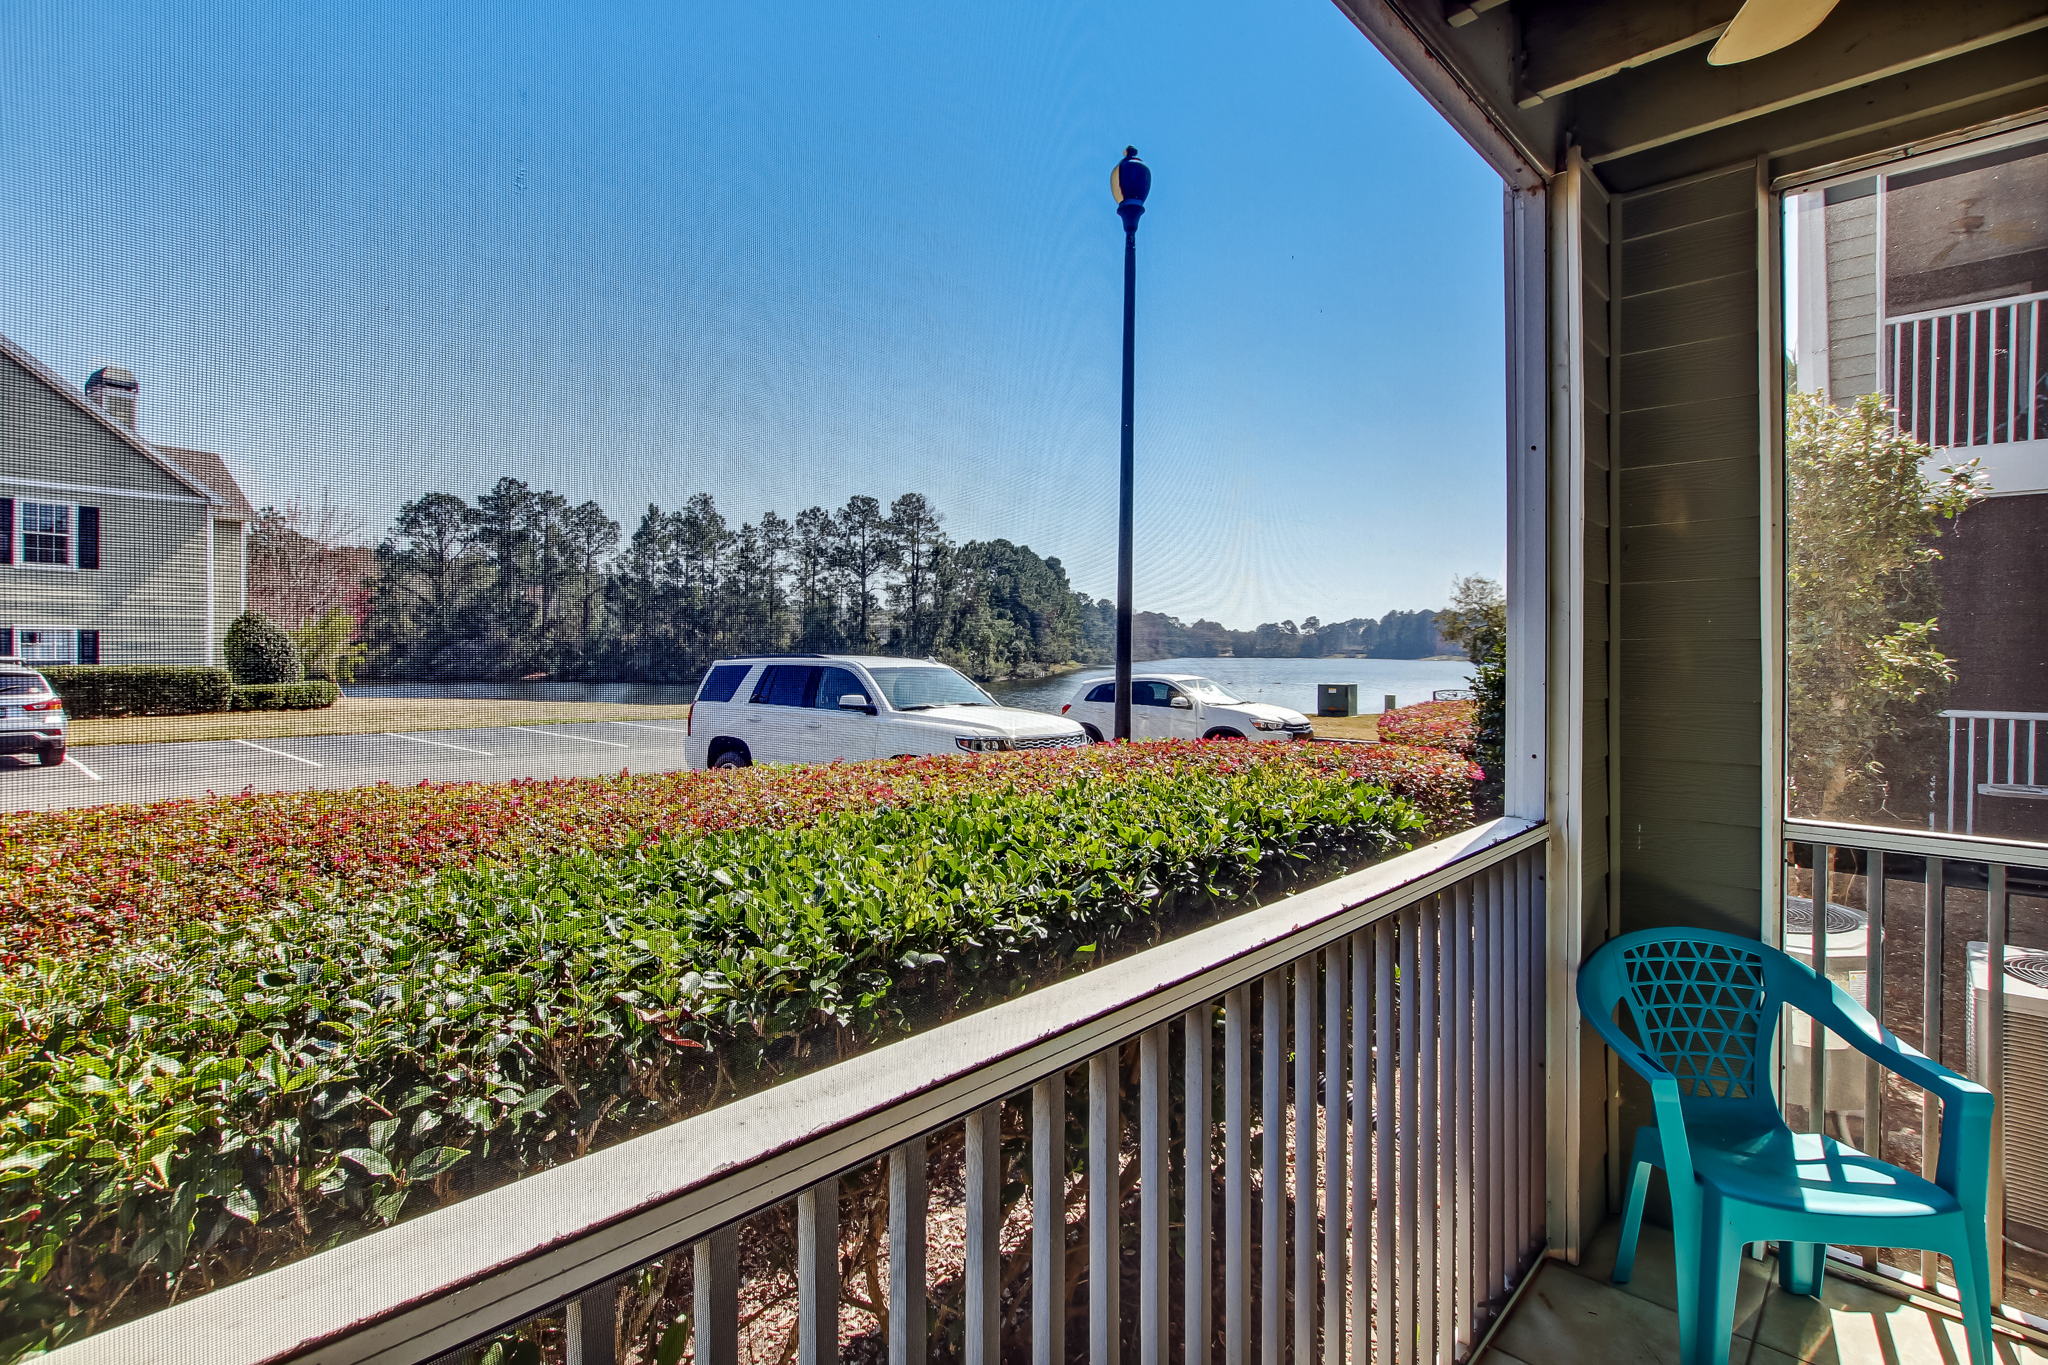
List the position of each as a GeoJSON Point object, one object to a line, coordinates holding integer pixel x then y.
{"type": "Point", "coordinates": [1762, 26]}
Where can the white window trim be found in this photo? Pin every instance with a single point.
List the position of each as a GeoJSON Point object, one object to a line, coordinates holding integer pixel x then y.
{"type": "Point", "coordinates": [21, 535]}
{"type": "Point", "coordinates": [68, 633]}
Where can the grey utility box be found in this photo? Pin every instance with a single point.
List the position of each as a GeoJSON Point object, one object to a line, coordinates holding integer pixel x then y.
{"type": "Point", "coordinates": [1337, 699]}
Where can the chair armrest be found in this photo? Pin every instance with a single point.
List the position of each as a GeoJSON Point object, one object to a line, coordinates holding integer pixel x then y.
{"type": "Point", "coordinates": [1966, 1107]}
{"type": "Point", "coordinates": [1664, 1097]}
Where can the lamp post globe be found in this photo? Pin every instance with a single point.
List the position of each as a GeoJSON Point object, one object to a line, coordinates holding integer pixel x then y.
{"type": "Point", "coordinates": [1129, 184]}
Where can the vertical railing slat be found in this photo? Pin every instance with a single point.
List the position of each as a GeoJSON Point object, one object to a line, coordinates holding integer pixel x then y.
{"type": "Point", "coordinates": [982, 1286]}
{"type": "Point", "coordinates": [1303, 1241]}
{"type": "Point", "coordinates": [909, 1212]}
{"type": "Point", "coordinates": [1105, 1195]}
{"type": "Point", "coordinates": [715, 1308]}
{"type": "Point", "coordinates": [817, 1274]}
{"type": "Point", "coordinates": [1198, 1183]}
{"type": "Point", "coordinates": [1383, 1106]}
{"type": "Point", "coordinates": [1335, 1186]}
{"type": "Point", "coordinates": [1408, 1150]}
{"type": "Point", "coordinates": [1273, 1168]}
{"type": "Point", "coordinates": [1155, 1255]}
{"type": "Point", "coordinates": [1361, 1147]}
{"type": "Point", "coordinates": [1930, 1015]}
{"type": "Point", "coordinates": [1049, 1221]}
{"type": "Point", "coordinates": [1460, 1276]}
{"type": "Point", "coordinates": [1426, 1138]}
{"type": "Point", "coordinates": [1996, 906]}
{"type": "Point", "coordinates": [590, 1327]}
{"type": "Point", "coordinates": [1816, 1036]}
{"type": "Point", "coordinates": [1237, 1178]}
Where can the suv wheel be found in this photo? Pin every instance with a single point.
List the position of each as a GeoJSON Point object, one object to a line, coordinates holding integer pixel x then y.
{"type": "Point", "coordinates": [1094, 735]}
{"type": "Point", "coordinates": [730, 753]}
{"type": "Point", "coordinates": [1223, 732]}
{"type": "Point", "coordinates": [50, 755]}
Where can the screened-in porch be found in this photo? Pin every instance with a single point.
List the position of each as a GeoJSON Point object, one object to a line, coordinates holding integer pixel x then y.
{"type": "Point", "coordinates": [1365, 1122]}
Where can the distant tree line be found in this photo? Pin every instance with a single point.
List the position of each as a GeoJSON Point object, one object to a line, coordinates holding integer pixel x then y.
{"type": "Point", "coordinates": [520, 582]}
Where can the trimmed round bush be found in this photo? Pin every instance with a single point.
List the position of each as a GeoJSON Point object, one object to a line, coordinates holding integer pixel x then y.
{"type": "Point", "coordinates": [259, 652]}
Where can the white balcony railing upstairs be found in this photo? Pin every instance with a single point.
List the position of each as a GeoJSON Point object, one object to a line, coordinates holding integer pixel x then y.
{"type": "Point", "coordinates": [1311, 1132]}
{"type": "Point", "coordinates": [1995, 756]}
{"type": "Point", "coordinates": [1971, 376]}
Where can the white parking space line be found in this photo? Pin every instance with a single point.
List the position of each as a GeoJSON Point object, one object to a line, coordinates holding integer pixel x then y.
{"type": "Point", "coordinates": [279, 752]}
{"type": "Point", "coordinates": [643, 725]}
{"type": "Point", "coordinates": [581, 739]}
{"type": "Point", "coordinates": [437, 743]}
{"type": "Point", "coordinates": [71, 760]}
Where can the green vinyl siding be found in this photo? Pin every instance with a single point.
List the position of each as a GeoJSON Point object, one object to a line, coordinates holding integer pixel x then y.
{"type": "Point", "coordinates": [227, 581]}
{"type": "Point", "coordinates": [1689, 661]}
{"type": "Point", "coordinates": [44, 436]}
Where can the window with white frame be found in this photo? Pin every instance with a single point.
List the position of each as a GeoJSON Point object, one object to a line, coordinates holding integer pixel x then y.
{"type": "Point", "coordinates": [46, 644]}
{"type": "Point", "coordinates": [48, 534]}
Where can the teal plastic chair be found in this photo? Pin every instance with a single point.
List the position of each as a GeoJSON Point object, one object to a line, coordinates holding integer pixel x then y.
{"type": "Point", "coordinates": [1703, 1008]}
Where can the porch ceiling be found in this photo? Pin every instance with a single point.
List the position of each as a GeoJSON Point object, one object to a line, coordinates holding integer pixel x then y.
{"type": "Point", "coordinates": [1628, 82]}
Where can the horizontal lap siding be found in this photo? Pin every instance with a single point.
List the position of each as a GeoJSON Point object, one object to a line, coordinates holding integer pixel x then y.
{"type": "Point", "coordinates": [148, 597]}
{"type": "Point", "coordinates": [1688, 688]}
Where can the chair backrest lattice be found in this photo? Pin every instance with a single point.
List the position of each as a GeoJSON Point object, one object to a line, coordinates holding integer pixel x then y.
{"type": "Point", "coordinates": [1701, 1008]}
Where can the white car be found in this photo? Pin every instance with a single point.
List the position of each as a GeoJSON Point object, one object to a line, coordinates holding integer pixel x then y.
{"type": "Point", "coordinates": [1183, 706]}
{"type": "Point", "coordinates": [827, 708]}
{"type": "Point", "coordinates": [31, 713]}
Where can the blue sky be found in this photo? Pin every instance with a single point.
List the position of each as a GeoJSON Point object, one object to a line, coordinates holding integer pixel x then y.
{"type": "Point", "coordinates": [787, 252]}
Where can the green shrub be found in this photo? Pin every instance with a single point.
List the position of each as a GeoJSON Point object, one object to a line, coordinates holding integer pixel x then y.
{"type": "Point", "coordinates": [299, 696]}
{"type": "Point", "coordinates": [187, 1110]}
{"type": "Point", "coordinates": [259, 652]}
{"type": "Point", "coordinates": [92, 691]}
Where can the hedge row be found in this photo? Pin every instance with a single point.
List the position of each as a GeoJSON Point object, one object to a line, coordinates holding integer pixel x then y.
{"type": "Point", "coordinates": [183, 1111]}
{"type": "Point", "coordinates": [298, 696]}
{"type": "Point", "coordinates": [91, 691]}
{"type": "Point", "coordinates": [81, 880]}
{"type": "Point", "coordinates": [1447, 725]}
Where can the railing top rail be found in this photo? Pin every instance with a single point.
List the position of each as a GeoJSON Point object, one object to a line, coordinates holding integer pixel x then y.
{"type": "Point", "coordinates": [1995, 715]}
{"type": "Point", "coordinates": [1979, 306]}
{"type": "Point", "coordinates": [428, 1286]}
{"type": "Point", "coordinates": [1955, 847]}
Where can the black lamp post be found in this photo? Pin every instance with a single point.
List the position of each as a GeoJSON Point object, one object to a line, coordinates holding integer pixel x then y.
{"type": "Point", "coordinates": [1129, 183]}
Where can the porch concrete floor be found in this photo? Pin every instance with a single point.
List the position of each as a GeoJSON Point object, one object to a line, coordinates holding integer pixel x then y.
{"type": "Point", "coordinates": [1572, 1315]}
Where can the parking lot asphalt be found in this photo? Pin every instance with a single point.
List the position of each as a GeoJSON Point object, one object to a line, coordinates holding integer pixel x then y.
{"type": "Point", "coordinates": [99, 774]}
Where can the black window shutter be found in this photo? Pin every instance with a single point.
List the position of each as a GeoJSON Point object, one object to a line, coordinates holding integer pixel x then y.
{"type": "Point", "coordinates": [6, 640]}
{"type": "Point", "coordinates": [88, 646]}
{"type": "Point", "coordinates": [7, 536]}
{"type": "Point", "coordinates": [88, 537]}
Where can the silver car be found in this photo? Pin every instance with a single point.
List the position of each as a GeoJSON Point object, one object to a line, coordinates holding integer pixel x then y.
{"type": "Point", "coordinates": [31, 713]}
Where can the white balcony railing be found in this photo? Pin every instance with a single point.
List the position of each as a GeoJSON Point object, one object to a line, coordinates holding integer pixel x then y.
{"type": "Point", "coordinates": [1971, 376]}
{"type": "Point", "coordinates": [1311, 1132]}
{"type": "Point", "coordinates": [1993, 755]}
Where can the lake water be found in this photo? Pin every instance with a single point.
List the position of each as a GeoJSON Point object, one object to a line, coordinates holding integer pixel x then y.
{"type": "Point", "coordinates": [1284, 682]}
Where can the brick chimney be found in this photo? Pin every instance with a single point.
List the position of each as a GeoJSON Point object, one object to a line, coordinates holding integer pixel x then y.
{"type": "Point", "coordinates": [115, 390]}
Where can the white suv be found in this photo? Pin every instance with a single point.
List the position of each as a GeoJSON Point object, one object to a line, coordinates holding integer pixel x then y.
{"type": "Point", "coordinates": [825, 708]}
{"type": "Point", "coordinates": [1183, 706]}
{"type": "Point", "coordinates": [31, 713]}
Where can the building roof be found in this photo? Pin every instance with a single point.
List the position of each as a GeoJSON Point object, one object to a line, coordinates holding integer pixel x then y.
{"type": "Point", "coordinates": [162, 459]}
{"type": "Point", "coordinates": [211, 470]}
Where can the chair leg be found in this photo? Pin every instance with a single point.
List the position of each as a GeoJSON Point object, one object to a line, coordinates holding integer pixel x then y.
{"type": "Point", "coordinates": [1632, 1223]}
{"type": "Point", "coordinates": [1719, 1273]}
{"type": "Point", "coordinates": [1973, 1287]}
{"type": "Point", "coordinates": [1800, 1265]}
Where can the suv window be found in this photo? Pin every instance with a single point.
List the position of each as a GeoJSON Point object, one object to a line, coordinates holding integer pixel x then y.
{"type": "Point", "coordinates": [1104, 694]}
{"type": "Point", "coordinates": [1150, 694]}
{"type": "Point", "coordinates": [21, 684]}
{"type": "Point", "coordinates": [834, 683]}
{"type": "Point", "coordinates": [786, 685]}
{"type": "Point", "coordinates": [721, 682]}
